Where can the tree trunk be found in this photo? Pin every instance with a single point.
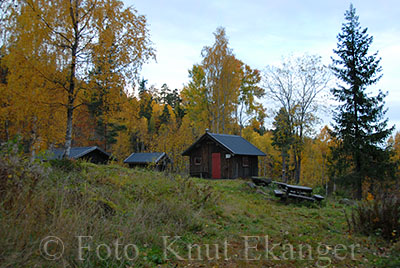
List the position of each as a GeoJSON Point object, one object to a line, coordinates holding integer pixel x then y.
{"type": "Point", "coordinates": [357, 155]}
{"type": "Point", "coordinates": [299, 149]}
{"type": "Point", "coordinates": [72, 89]}
{"type": "Point", "coordinates": [68, 135]}
{"type": "Point", "coordinates": [295, 177]}
{"type": "Point", "coordinates": [293, 172]}
{"type": "Point", "coordinates": [284, 177]}
{"type": "Point", "coordinates": [324, 180]}
{"type": "Point", "coordinates": [298, 169]}
{"type": "Point", "coordinates": [33, 137]}
{"type": "Point", "coordinates": [6, 125]}
{"type": "Point", "coordinates": [359, 178]}
{"type": "Point", "coordinates": [105, 136]}
{"type": "Point", "coordinates": [223, 118]}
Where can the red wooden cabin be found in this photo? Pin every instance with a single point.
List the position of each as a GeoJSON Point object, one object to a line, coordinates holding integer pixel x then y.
{"type": "Point", "coordinates": [223, 156]}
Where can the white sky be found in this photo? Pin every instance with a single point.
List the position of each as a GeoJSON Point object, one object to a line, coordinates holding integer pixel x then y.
{"type": "Point", "coordinates": [261, 32]}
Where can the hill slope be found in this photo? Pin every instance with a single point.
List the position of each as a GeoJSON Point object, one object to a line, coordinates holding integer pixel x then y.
{"type": "Point", "coordinates": [72, 214]}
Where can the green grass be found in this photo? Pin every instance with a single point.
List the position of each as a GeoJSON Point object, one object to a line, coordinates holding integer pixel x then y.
{"type": "Point", "coordinates": [110, 207]}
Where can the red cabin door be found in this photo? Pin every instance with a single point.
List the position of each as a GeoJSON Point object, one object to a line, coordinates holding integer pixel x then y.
{"type": "Point", "coordinates": [216, 165]}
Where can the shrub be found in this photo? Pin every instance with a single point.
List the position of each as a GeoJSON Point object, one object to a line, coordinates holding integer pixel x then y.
{"type": "Point", "coordinates": [19, 175]}
{"type": "Point", "coordinates": [199, 196]}
{"type": "Point", "coordinates": [319, 190]}
{"type": "Point", "coordinates": [66, 165]}
{"type": "Point", "coordinates": [379, 216]}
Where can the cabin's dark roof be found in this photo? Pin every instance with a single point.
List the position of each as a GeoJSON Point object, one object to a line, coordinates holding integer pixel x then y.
{"type": "Point", "coordinates": [75, 153]}
{"type": "Point", "coordinates": [144, 158]}
{"type": "Point", "coordinates": [235, 144]}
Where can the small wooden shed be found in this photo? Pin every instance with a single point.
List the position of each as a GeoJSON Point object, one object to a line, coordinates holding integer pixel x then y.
{"type": "Point", "coordinates": [160, 161]}
{"type": "Point", "coordinates": [223, 156]}
{"type": "Point", "coordinates": [92, 154]}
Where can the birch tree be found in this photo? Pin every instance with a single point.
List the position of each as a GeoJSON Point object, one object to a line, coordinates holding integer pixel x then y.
{"type": "Point", "coordinates": [221, 70]}
{"type": "Point", "coordinates": [295, 86]}
{"type": "Point", "coordinates": [249, 105]}
{"type": "Point", "coordinates": [68, 33]}
{"type": "Point", "coordinates": [223, 91]}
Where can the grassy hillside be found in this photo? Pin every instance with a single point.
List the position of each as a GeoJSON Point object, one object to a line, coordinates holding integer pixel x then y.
{"type": "Point", "coordinates": [109, 216]}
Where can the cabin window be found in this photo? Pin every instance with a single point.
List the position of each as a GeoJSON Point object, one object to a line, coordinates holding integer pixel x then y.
{"type": "Point", "coordinates": [245, 161]}
{"type": "Point", "coordinates": [197, 160]}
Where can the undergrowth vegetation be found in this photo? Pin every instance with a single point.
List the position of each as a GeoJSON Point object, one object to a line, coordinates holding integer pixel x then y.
{"type": "Point", "coordinates": [380, 216]}
{"type": "Point", "coordinates": [94, 205]}
{"type": "Point", "coordinates": [102, 203]}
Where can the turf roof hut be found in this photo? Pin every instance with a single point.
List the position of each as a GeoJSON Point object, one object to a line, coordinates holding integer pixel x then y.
{"type": "Point", "coordinates": [223, 156]}
{"type": "Point", "coordinates": [160, 161]}
{"type": "Point", "coordinates": [92, 154]}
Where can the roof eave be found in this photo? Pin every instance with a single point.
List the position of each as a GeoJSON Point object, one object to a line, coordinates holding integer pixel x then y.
{"type": "Point", "coordinates": [186, 152]}
{"type": "Point", "coordinates": [91, 149]}
{"type": "Point", "coordinates": [160, 157]}
{"type": "Point", "coordinates": [139, 163]}
{"type": "Point", "coordinates": [263, 154]}
{"type": "Point", "coordinates": [126, 159]}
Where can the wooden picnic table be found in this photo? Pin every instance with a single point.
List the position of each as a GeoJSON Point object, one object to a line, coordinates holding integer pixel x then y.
{"type": "Point", "coordinates": [281, 185]}
{"type": "Point", "coordinates": [297, 192]}
{"type": "Point", "coordinates": [298, 189]}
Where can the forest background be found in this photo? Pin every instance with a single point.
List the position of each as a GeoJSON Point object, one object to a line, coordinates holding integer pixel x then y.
{"type": "Point", "coordinates": [70, 76]}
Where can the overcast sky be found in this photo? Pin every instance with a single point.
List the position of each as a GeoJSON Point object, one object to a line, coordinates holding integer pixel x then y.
{"type": "Point", "coordinates": [261, 32]}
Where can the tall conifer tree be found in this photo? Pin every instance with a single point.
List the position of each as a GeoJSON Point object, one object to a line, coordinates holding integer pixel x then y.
{"type": "Point", "coordinates": [360, 126]}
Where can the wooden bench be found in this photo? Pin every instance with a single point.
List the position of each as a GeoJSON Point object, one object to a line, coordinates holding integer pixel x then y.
{"type": "Point", "coordinates": [260, 181]}
{"type": "Point", "coordinates": [278, 193]}
{"type": "Point", "coordinates": [302, 197]}
{"type": "Point", "coordinates": [281, 185]}
{"type": "Point", "coordinates": [318, 197]}
{"type": "Point", "coordinates": [296, 192]}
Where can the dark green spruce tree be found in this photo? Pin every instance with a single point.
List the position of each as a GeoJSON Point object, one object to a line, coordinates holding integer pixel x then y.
{"type": "Point", "coordinates": [360, 124]}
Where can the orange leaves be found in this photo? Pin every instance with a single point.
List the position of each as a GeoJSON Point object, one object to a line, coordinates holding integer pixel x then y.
{"type": "Point", "coordinates": [60, 54]}
{"type": "Point", "coordinates": [315, 155]}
